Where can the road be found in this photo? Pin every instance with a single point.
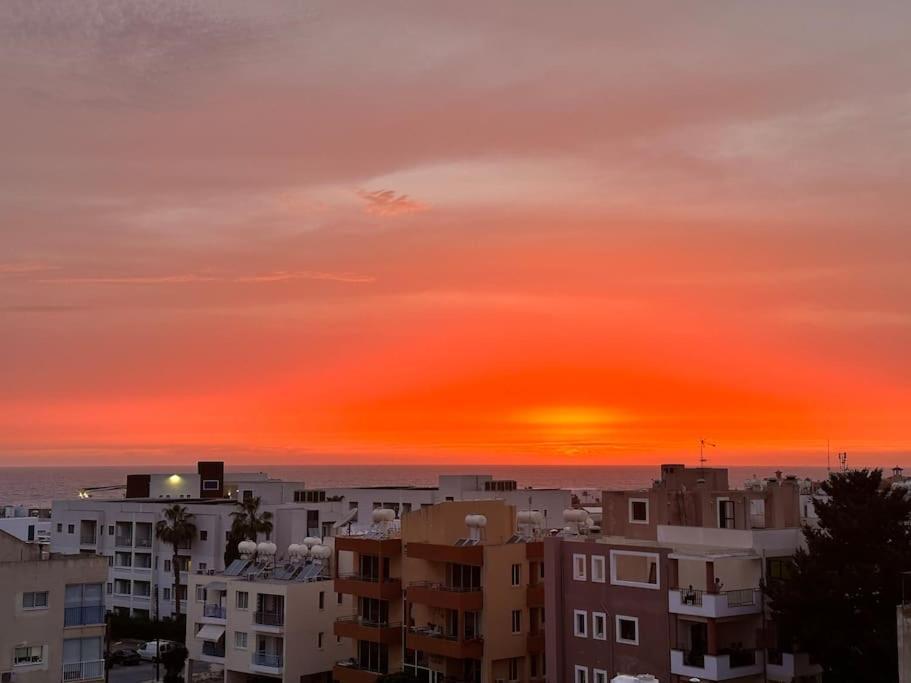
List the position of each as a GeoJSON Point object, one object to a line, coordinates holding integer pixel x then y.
{"type": "Point", "coordinates": [133, 674]}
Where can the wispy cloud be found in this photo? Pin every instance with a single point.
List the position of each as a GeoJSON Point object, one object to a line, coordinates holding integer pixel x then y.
{"type": "Point", "coordinates": [202, 278]}
{"type": "Point", "coordinates": [23, 268]}
{"type": "Point", "coordinates": [389, 203]}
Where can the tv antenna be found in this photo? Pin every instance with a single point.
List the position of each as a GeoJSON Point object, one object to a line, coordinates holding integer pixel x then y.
{"type": "Point", "coordinates": [843, 461]}
{"type": "Point", "coordinates": [702, 444]}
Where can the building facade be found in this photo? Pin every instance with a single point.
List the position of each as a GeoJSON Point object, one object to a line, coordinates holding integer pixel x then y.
{"type": "Point", "coordinates": [52, 627]}
{"type": "Point", "coordinates": [671, 586]}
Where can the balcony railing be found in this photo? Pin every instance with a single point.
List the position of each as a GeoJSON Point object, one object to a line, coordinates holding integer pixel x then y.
{"type": "Point", "coordinates": [214, 611]}
{"type": "Point", "coordinates": [83, 615]}
{"type": "Point", "coordinates": [432, 585]}
{"type": "Point", "coordinates": [267, 659]}
{"type": "Point", "coordinates": [123, 541]}
{"type": "Point", "coordinates": [87, 539]}
{"type": "Point", "coordinates": [213, 649]}
{"type": "Point", "coordinates": [83, 671]}
{"type": "Point", "coordinates": [265, 618]}
{"type": "Point", "coordinates": [142, 542]}
{"type": "Point", "coordinates": [369, 578]}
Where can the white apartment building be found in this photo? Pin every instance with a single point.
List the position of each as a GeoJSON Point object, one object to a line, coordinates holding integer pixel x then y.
{"type": "Point", "coordinates": [52, 616]}
{"type": "Point", "coordinates": [267, 616]}
{"type": "Point", "coordinates": [140, 578]}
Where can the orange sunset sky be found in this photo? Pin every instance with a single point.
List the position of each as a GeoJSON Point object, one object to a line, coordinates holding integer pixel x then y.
{"type": "Point", "coordinates": [512, 232]}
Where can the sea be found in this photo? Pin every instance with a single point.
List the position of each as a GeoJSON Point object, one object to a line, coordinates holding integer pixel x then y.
{"type": "Point", "coordinates": [38, 486]}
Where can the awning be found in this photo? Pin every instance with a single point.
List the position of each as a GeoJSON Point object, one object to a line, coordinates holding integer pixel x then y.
{"type": "Point", "coordinates": [211, 632]}
{"type": "Point", "coordinates": [216, 586]}
{"type": "Point", "coordinates": [352, 514]}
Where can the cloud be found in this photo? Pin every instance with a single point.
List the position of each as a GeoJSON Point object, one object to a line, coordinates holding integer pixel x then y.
{"type": "Point", "coordinates": [199, 278]}
{"type": "Point", "coordinates": [388, 203]}
{"type": "Point", "coordinates": [23, 268]}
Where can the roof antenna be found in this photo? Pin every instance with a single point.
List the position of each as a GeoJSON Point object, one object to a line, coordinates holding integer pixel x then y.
{"type": "Point", "coordinates": [702, 460]}
{"type": "Point", "coordinates": [843, 460]}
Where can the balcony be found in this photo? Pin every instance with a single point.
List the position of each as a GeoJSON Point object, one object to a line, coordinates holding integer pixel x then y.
{"type": "Point", "coordinates": [88, 615]}
{"type": "Point", "coordinates": [788, 666]}
{"type": "Point", "coordinates": [360, 628]}
{"type": "Point", "coordinates": [435, 552]}
{"type": "Point", "coordinates": [213, 650]}
{"type": "Point", "coordinates": [83, 671]}
{"type": "Point", "coordinates": [446, 597]}
{"type": "Point", "coordinates": [436, 643]}
{"type": "Point", "coordinates": [348, 672]}
{"type": "Point", "coordinates": [214, 611]}
{"type": "Point", "coordinates": [367, 586]}
{"type": "Point", "coordinates": [370, 545]}
{"type": "Point", "coordinates": [715, 667]}
{"type": "Point", "coordinates": [123, 541]}
{"type": "Point", "coordinates": [534, 595]}
{"type": "Point", "coordinates": [698, 603]}
{"type": "Point", "coordinates": [267, 662]}
{"type": "Point", "coordinates": [534, 641]}
{"type": "Point", "coordinates": [143, 541]}
{"type": "Point", "coordinates": [269, 621]}
{"type": "Point", "coordinates": [87, 539]}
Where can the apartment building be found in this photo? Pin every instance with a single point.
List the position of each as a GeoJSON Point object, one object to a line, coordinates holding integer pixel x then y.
{"type": "Point", "coordinates": [470, 574]}
{"type": "Point", "coordinates": [140, 579]}
{"type": "Point", "coordinates": [52, 628]}
{"type": "Point", "coordinates": [671, 584]}
{"type": "Point", "coordinates": [268, 616]}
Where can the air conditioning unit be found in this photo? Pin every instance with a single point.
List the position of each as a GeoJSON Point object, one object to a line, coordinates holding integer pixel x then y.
{"type": "Point", "coordinates": [7, 676]}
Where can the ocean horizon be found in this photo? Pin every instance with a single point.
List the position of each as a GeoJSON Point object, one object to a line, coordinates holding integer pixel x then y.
{"type": "Point", "coordinates": [38, 486]}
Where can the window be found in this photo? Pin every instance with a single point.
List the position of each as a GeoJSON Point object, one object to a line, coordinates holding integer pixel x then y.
{"type": "Point", "coordinates": [210, 484]}
{"type": "Point", "coordinates": [778, 568]}
{"type": "Point", "coordinates": [598, 568]}
{"type": "Point", "coordinates": [110, 588]}
{"type": "Point", "coordinates": [203, 566]}
{"type": "Point", "coordinates": [599, 626]}
{"type": "Point", "coordinates": [627, 630]}
{"type": "Point", "coordinates": [59, 528]}
{"type": "Point", "coordinates": [167, 565]}
{"type": "Point", "coordinates": [517, 621]}
{"type": "Point", "coordinates": [580, 623]}
{"type": "Point", "coordinates": [516, 574]}
{"type": "Point", "coordinates": [200, 593]}
{"type": "Point", "coordinates": [166, 593]}
{"type": "Point", "coordinates": [34, 600]}
{"type": "Point", "coordinates": [30, 654]}
{"type": "Point", "coordinates": [339, 598]}
{"type": "Point", "coordinates": [78, 650]}
{"type": "Point", "coordinates": [203, 535]}
{"type": "Point", "coordinates": [514, 669]}
{"type": "Point", "coordinates": [322, 599]}
{"type": "Point", "coordinates": [599, 676]}
{"type": "Point", "coordinates": [579, 568]}
{"type": "Point", "coordinates": [83, 604]}
{"type": "Point", "coordinates": [240, 639]}
{"type": "Point", "coordinates": [638, 510]}
{"type": "Point", "coordinates": [243, 600]}
{"type": "Point", "coordinates": [71, 528]}
{"type": "Point", "coordinates": [110, 529]}
{"type": "Point", "coordinates": [725, 513]}
{"type": "Point", "coordinates": [581, 674]}
{"type": "Point", "coordinates": [319, 640]}
{"type": "Point", "coordinates": [635, 569]}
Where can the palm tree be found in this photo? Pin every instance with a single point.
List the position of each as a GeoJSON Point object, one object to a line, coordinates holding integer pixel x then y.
{"type": "Point", "coordinates": [249, 522]}
{"type": "Point", "coordinates": [178, 530]}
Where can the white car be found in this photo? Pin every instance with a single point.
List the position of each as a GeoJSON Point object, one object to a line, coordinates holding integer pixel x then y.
{"type": "Point", "coordinates": [149, 651]}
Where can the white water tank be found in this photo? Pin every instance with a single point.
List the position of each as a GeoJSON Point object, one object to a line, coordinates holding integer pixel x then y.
{"type": "Point", "coordinates": [575, 516]}
{"type": "Point", "coordinates": [266, 549]}
{"type": "Point", "coordinates": [476, 521]}
{"type": "Point", "coordinates": [321, 552]}
{"type": "Point", "coordinates": [383, 515]}
{"type": "Point", "coordinates": [530, 518]}
{"type": "Point", "coordinates": [311, 541]}
{"type": "Point", "coordinates": [294, 550]}
{"type": "Point", "coordinates": [246, 548]}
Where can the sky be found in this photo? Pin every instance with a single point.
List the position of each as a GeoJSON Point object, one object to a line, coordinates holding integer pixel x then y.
{"type": "Point", "coordinates": [513, 232]}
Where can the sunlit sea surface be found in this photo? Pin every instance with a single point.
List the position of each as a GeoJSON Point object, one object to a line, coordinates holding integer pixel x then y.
{"type": "Point", "coordinates": [39, 486]}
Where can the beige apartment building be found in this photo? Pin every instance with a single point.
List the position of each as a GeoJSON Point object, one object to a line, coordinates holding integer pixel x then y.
{"type": "Point", "coordinates": [454, 593]}
{"type": "Point", "coordinates": [52, 611]}
{"type": "Point", "coordinates": [267, 617]}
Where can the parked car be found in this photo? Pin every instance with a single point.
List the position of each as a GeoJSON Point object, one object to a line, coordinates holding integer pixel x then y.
{"type": "Point", "coordinates": [151, 650]}
{"type": "Point", "coordinates": [125, 657]}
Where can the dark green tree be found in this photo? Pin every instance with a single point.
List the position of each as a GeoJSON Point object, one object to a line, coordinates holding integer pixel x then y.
{"type": "Point", "coordinates": [178, 530]}
{"type": "Point", "coordinates": [838, 602]}
{"type": "Point", "coordinates": [173, 662]}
